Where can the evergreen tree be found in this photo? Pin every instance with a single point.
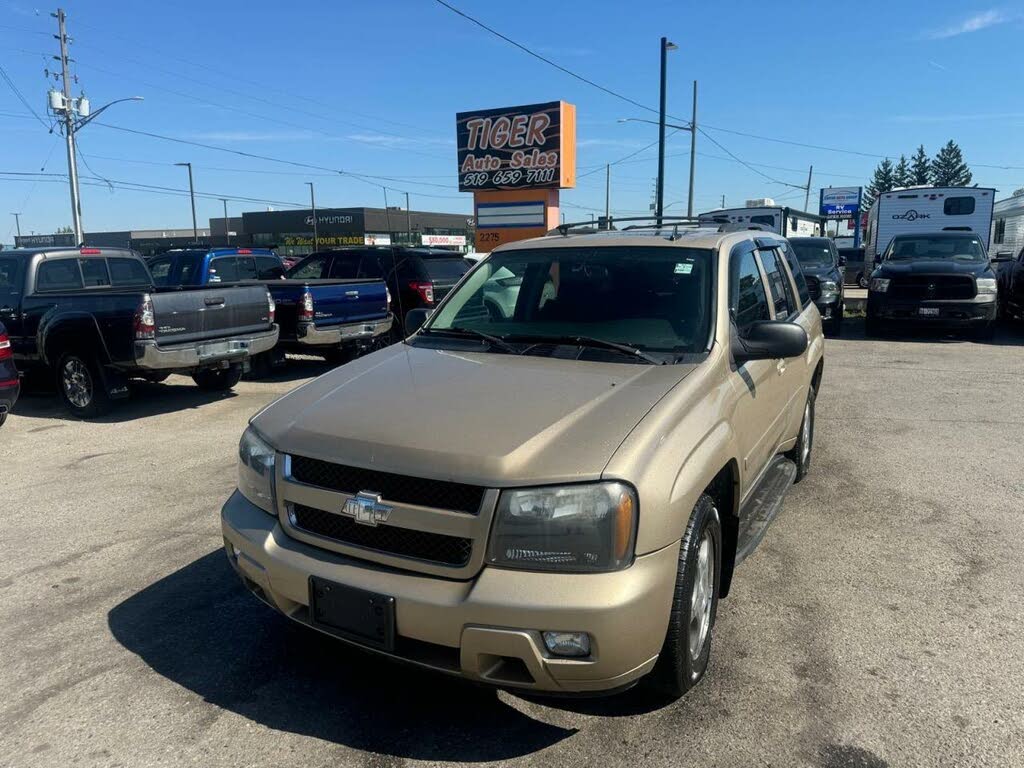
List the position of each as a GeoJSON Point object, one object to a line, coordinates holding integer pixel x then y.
{"type": "Point", "coordinates": [949, 168]}
{"type": "Point", "coordinates": [921, 167]}
{"type": "Point", "coordinates": [902, 175]}
{"type": "Point", "coordinates": [882, 181]}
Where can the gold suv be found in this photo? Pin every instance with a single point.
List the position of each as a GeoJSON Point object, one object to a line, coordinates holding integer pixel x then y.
{"type": "Point", "coordinates": [549, 484]}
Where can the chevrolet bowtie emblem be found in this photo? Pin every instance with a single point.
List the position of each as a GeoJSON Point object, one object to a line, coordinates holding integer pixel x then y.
{"type": "Point", "coordinates": [366, 508]}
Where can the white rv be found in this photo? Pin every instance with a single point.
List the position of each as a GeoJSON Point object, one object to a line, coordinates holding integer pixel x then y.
{"type": "Point", "coordinates": [1008, 226]}
{"type": "Point", "coordinates": [779, 219]}
{"type": "Point", "coordinates": [920, 210]}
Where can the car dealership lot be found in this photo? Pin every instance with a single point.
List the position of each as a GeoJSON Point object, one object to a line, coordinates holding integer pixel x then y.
{"type": "Point", "coordinates": [878, 623]}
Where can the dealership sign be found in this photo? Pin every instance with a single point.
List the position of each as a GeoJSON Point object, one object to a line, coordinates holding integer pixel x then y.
{"type": "Point", "coordinates": [459, 240]}
{"type": "Point", "coordinates": [527, 147]}
{"type": "Point", "coordinates": [840, 202]}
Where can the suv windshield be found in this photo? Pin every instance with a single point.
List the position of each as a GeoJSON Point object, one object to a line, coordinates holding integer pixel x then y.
{"type": "Point", "coordinates": [649, 298]}
{"type": "Point", "coordinates": [962, 248]}
{"type": "Point", "coordinates": [811, 254]}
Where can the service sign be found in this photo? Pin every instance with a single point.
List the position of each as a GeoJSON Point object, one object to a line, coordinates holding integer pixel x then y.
{"type": "Point", "coordinates": [441, 240]}
{"type": "Point", "coordinates": [527, 147]}
{"type": "Point", "coordinates": [840, 202]}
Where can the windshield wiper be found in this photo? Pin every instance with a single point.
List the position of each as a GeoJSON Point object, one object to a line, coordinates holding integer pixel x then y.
{"type": "Point", "coordinates": [494, 341]}
{"type": "Point", "coordinates": [589, 341]}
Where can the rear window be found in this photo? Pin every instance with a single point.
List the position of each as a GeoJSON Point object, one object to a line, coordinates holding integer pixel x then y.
{"type": "Point", "coordinates": [269, 268]}
{"type": "Point", "coordinates": [127, 271]}
{"type": "Point", "coordinates": [958, 206]}
{"type": "Point", "coordinates": [58, 275]}
{"type": "Point", "coordinates": [94, 273]}
{"type": "Point", "coordinates": [446, 270]}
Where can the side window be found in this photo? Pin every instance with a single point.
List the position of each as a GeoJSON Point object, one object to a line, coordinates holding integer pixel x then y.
{"type": "Point", "coordinates": [345, 266]}
{"type": "Point", "coordinates": [94, 273]}
{"type": "Point", "coordinates": [747, 298]}
{"type": "Point", "coordinates": [775, 255]}
{"type": "Point", "coordinates": [1000, 234]}
{"type": "Point", "coordinates": [798, 275]}
{"type": "Point", "coordinates": [310, 269]}
{"type": "Point", "coordinates": [269, 268]}
{"type": "Point", "coordinates": [369, 267]}
{"type": "Point", "coordinates": [224, 270]}
{"type": "Point", "coordinates": [958, 206]}
{"type": "Point", "coordinates": [128, 272]}
{"type": "Point", "coordinates": [777, 281]}
{"type": "Point", "coordinates": [59, 275]}
{"type": "Point", "coordinates": [161, 271]}
{"type": "Point", "coordinates": [768, 221]}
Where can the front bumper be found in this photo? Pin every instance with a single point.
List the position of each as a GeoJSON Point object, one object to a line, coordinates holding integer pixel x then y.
{"type": "Point", "coordinates": [8, 394]}
{"type": "Point", "coordinates": [829, 306]}
{"type": "Point", "coordinates": [149, 355]}
{"type": "Point", "coordinates": [486, 629]}
{"type": "Point", "coordinates": [952, 313]}
{"type": "Point", "coordinates": [340, 334]}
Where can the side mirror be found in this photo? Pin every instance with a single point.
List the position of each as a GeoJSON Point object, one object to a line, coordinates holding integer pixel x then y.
{"type": "Point", "coordinates": [770, 340]}
{"type": "Point", "coordinates": [415, 318]}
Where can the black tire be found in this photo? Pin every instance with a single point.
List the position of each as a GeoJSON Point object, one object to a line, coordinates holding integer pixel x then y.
{"type": "Point", "coordinates": [218, 379]}
{"type": "Point", "coordinates": [987, 332]}
{"type": "Point", "coordinates": [81, 385]}
{"type": "Point", "coordinates": [677, 669]}
{"type": "Point", "coordinates": [3, 418]}
{"type": "Point", "coordinates": [862, 280]}
{"type": "Point", "coordinates": [260, 366]}
{"type": "Point", "coordinates": [801, 453]}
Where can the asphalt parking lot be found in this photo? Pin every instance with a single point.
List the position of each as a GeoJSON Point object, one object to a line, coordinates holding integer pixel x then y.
{"type": "Point", "coordinates": [879, 624]}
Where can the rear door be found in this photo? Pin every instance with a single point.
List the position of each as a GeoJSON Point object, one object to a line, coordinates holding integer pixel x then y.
{"type": "Point", "coordinates": [12, 281]}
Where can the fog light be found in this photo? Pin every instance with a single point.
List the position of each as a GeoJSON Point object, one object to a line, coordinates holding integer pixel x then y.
{"type": "Point", "coordinates": [567, 643]}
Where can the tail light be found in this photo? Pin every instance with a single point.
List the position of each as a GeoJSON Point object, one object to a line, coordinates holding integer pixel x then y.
{"type": "Point", "coordinates": [271, 307]}
{"type": "Point", "coordinates": [306, 312]}
{"type": "Point", "coordinates": [5, 347]}
{"type": "Point", "coordinates": [145, 322]}
{"type": "Point", "coordinates": [425, 290]}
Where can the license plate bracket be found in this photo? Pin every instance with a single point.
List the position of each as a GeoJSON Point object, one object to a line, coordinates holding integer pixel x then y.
{"type": "Point", "coordinates": [367, 618]}
{"type": "Point", "coordinates": [928, 311]}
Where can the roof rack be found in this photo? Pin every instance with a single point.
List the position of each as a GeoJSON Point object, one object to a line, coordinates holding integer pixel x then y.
{"type": "Point", "coordinates": [606, 225]}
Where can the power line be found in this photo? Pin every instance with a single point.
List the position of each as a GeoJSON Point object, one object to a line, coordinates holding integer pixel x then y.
{"type": "Point", "coordinates": [546, 60]}
{"type": "Point", "coordinates": [21, 97]}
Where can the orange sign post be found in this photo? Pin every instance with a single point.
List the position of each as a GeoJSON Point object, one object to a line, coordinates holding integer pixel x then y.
{"type": "Point", "coordinates": [514, 160]}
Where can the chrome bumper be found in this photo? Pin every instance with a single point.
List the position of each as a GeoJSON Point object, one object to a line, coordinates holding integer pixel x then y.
{"type": "Point", "coordinates": [151, 356]}
{"type": "Point", "coordinates": [337, 334]}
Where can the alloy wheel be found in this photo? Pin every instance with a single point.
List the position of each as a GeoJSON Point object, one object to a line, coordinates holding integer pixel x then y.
{"type": "Point", "coordinates": [702, 596]}
{"type": "Point", "coordinates": [77, 382]}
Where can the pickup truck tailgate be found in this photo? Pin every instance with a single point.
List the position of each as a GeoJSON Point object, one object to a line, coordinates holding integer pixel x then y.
{"type": "Point", "coordinates": [209, 313]}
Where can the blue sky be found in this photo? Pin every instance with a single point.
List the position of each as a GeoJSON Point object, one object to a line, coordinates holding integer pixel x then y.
{"type": "Point", "coordinates": [372, 88]}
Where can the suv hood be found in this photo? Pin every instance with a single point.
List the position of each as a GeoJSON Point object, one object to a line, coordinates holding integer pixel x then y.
{"type": "Point", "coordinates": [488, 419]}
{"type": "Point", "coordinates": [932, 267]}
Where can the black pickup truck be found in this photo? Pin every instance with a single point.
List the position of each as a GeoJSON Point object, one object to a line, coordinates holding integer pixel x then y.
{"type": "Point", "coordinates": [93, 318]}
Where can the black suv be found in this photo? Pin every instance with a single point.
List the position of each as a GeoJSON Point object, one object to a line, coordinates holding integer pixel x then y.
{"type": "Point", "coordinates": [941, 279]}
{"type": "Point", "coordinates": [416, 277]}
{"type": "Point", "coordinates": [822, 267]}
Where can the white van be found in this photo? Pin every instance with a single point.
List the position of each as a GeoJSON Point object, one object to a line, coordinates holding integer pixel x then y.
{"type": "Point", "coordinates": [920, 210]}
{"type": "Point", "coordinates": [779, 219]}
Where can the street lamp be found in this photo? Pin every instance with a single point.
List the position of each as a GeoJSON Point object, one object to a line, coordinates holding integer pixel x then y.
{"type": "Point", "coordinates": [192, 195]}
{"type": "Point", "coordinates": [227, 229]}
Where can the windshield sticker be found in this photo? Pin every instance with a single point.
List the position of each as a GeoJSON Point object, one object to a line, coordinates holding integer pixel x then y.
{"type": "Point", "coordinates": [682, 269]}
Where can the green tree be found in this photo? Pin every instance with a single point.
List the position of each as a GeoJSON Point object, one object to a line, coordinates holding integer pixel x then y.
{"type": "Point", "coordinates": [883, 180]}
{"type": "Point", "coordinates": [921, 167]}
{"type": "Point", "coordinates": [949, 168]}
{"type": "Point", "coordinates": [64, 230]}
{"type": "Point", "coordinates": [902, 175]}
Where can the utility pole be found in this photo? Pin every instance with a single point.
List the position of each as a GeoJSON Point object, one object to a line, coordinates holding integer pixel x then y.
{"type": "Point", "coordinates": [693, 151]}
{"type": "Point", "coordinates": [408, 218]}
{"type": "Point", "coordinates": [807, 195]}
{"type": "Point", "coordinates": [723, 201]}
{"type": "Point", "coordinates": [227, 229]}
{"type": "Point", "coordinates": [312, 205]}
{"type": "Point", "coordinates": [192, 196]}
{"type": "Point", "coordinates": [17, 222]}
{"type": "Point", "coordinates": [69, 129]}
{"type": "Point", "coordinates": [608, 196]}
{"type": "Point", "coordinates": [659, 205]}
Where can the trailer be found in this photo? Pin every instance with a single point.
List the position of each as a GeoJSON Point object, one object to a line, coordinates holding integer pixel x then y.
{"type": "Point", "coordinates": [921, 210]}
{"type": "Point", "coordinates": [1008, 226]}
{"type": "Point", "coordinates": [779, 219]}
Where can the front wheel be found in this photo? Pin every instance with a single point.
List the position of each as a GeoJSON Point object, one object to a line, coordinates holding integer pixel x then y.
{"type": "Point", "coordinates": [81, 385]}
{"type": "Point", "coordinates": [3, 418]}
{"type": "Point", "coordinates": [687, 648]}
{"type": "Point", "coordinates": [800, 454]}
{"type": "Point", "coordinates": [862, 280]}
{"type": "Point", "coordinates": [218, 379]}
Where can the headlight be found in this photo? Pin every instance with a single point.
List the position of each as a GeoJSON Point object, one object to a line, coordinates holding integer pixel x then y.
{"type": "Point", "coordinates": [879, 284]}
{"type": "Point", "coordinates": [828, 286]}
{"type": "Point", "coordinates": [588, 527]}
{"type": "Point", "coordinates": [256, 470]}
{"type": "Point", "coordinates": [986, 285]}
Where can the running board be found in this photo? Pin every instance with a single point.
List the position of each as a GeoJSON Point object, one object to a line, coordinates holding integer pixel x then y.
{"type": "Point", "coordinates": [763, 505]}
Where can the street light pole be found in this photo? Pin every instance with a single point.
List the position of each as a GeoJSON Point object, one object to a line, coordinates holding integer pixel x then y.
{"type": "Point", "coordinates": [227, 229]}
{"type": "Point", "coordinates": [807, 194]}
{"type": "Point", "coordinates": [17, 222]}
{"type": "Point", "coordinates": [69, 130]}
{"type": "Point", "coordinates": [659, 203]}
{"type": "Point", "coordinates": [693, 151]}
{"type": "Point", "coordinates": [608, 196]}
{"type": "Point", "coordinates": [408, 218]}
{"type": "Point", "coordinates": [192, 196]}
{"type": "Point", "coordinates": [312, 205]}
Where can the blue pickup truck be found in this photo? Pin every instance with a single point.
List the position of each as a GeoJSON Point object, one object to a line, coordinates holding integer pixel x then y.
{"type": "Point", "coordinates": [338, 319]}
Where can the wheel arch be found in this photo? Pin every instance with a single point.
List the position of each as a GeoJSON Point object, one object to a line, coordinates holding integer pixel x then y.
{"type": "Point", "coordinates": [724, 490]}
{"type": "Point", "coordinates": [70, 330]}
